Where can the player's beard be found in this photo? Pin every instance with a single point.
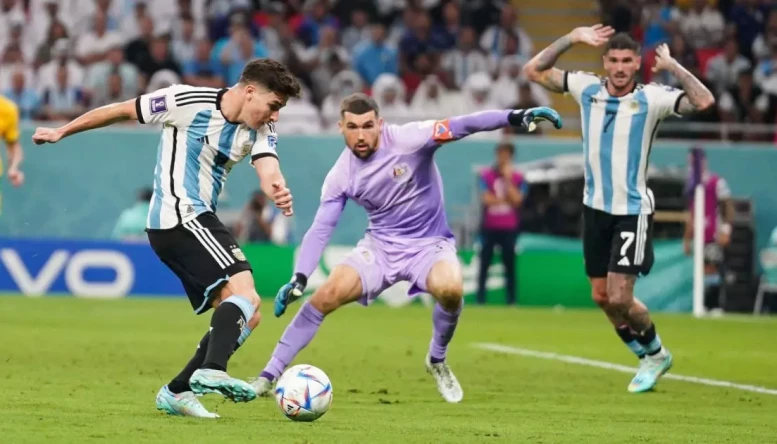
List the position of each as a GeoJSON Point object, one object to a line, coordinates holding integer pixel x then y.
{"type": "Point", "coordinates": [363, 150]}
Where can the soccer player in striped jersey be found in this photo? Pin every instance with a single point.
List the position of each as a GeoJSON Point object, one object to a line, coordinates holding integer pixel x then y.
{"type": "Point", "coordinates": [619, 117]}
{"type": "Point", "coordinates": [205, 132]}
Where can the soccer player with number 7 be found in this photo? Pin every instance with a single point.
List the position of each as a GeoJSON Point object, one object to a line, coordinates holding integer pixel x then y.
{"type": "Point", "coordinates": [619, 118]}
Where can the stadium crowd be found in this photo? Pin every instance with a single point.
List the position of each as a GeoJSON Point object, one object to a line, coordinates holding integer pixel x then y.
{"type": "Point", "coordinates": [419, 58]}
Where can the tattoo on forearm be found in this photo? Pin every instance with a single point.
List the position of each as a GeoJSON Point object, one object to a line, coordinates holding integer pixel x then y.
{"type": "Point", "coordinates": [547, 58]}
{"type": "Point", "coordinates": [696, 93]}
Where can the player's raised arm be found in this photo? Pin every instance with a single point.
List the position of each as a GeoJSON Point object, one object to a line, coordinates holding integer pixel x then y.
{"type": "Point", "coordinates": [333, 200]}
{"type": "Point", "coordinates": [541, 70]}
{"type": "Point", "coordinates": [696, 96]}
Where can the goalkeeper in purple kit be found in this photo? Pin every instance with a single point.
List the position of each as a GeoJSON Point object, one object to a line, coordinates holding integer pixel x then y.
{"type": "Point", "coordinates": [390, 171]}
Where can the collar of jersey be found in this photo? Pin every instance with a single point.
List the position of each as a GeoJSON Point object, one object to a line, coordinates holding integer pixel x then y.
{"type": "Point", "coordinates": [218, 104]}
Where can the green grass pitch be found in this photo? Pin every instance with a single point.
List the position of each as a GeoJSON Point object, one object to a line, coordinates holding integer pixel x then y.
{"type": "Point", "coordinates": [81, 371]}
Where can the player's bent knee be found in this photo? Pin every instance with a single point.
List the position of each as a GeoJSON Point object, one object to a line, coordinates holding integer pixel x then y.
{"type": "Point", "coordinates": [255, 320]}
{"type": "Point", "coordinates": [599, 292]}
{"type": "Point", "coordinates": [325, 299]}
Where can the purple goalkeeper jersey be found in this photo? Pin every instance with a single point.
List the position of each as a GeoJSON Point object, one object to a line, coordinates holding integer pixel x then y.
{"type": "Point", "coordinates": [399, 185]}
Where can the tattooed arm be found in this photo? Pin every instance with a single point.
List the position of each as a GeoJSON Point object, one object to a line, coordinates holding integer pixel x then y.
{"type": "Point", "coordinates": [697, 97]}
{"type": "Point", "coordinates": [540, 68]}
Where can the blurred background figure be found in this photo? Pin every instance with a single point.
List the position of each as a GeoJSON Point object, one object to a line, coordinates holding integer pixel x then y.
{"type": "Point", "coordinates": [262, 223]}
{"type": "Point", "coordinates": [503, 189]}
{"type": "Point", "coordinates": [131, 225]}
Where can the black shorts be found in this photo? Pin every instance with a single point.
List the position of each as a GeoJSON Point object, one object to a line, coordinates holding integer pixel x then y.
{"type": "Point", "coordinates": [618, 244]}
{"type": "Point", "coordinates": [203, 254]}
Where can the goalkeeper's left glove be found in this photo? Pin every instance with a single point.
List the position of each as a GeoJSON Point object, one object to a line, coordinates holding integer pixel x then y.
{"type": "Point", "coordinates": [528, 118]}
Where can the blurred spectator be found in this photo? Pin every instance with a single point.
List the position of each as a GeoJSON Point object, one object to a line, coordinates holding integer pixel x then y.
{"type": "Point", "coordinates": [511, 52]}
{"type": "Point", "coordinates": [12, 61]}
{"type": "Point", "coordinates": [65, 100]}
{"type": "Point", "coordinates": [389, 93]}
{"type": "Point", "coordinates": [256, 220]}
{"type": "Point", "coordinates": [425, 65]}
{"type": "Point", "coordinates": [18, 37]}
{"type": "Point", "coordinates": [161, 59]}
{"type": "Point", "coordinates": [162, 79]}
{"type": "Point", "coordinates": [93, 46]}
{"type": "Point", "coordinates": [357, 31]}
{"type": "Point", "coordinates": [765, 75]}
{"type": "Point", "coordinates": [466, 59]}
{"type": "Point", "coordinates": [131, 225]}
{"type": "Point", "coordinates": [300, 116]}
{"type": "Point", "coordinates": [476, 95]}
{"type": "Point", "coordinates": [324, 60]}
{"type": "Point", "coordinates": [130, 23]}
{"type": "Point", "coordinates": [761, 44]}
{"type": "Point", "coordinates": [494, 39]}
{"type": "Point", "coordinates": [403, 26]}
{"type": "Point", "coordinates": [115, 90]}
{"type": "Point", "coordinates": [23, 95]}
{"type": "Point", "coordinates": [42, 21]}
{"type": "Point", "coordinates": [184, 8]}
{"type": "Point", "coordinates": [89, 12]}
{"type": "Point", "coordinates": [343, 84]}
{"type": "Point", "coordinates": [620, 16]}
{"type": "Point", "coordinates": [419, 40]}
{"type": "Point", "coordinates": [62, 55]}
{"type": "Point", "coordinates": [748, 19]}
{"type": "Point", "coordinates": [431, 99]}
{"type": "Point", "coordinates": [447, 32]}
{"type": "Point", "coordinates": [11, 11]}
{"type": "Point", "coordinates": [270, 32]}
{"type": "Point", "coordinates": [317, 16]}
{"type": "Point", "coordinates": [373, 58]}
{"type": "Point", "coordinates": [659, 22]}
{"type": "Point", "coordinates": [184, 45]}
{"type": "Point", "coordinates": [45, 52]}
{"type": "Point", "coordinates": [97, 76]}
{"type": "Point", "coordinates": [703, 25]}
{"type": "Point", "coordinates": [503, 189]}
{"type": "Point", "coordinates": [138, 51]}
{"type": "Point", "coordinates": [507, 88]}
{"type": "Point", "coordinates": [234, 52]}
{"type": "Point", "coordinates": [744, 102]}
{"type": "Point", "coordinates": [202, 71]}
{"type": "Point", "coordinates": [723, 69]}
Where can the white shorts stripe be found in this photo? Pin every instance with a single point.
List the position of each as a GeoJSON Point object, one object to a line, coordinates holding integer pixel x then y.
{"type": "Point", "coordinates": [639, 249]}
{"type": "Point", "coordinates": [216, 244]}
{"type": "Point", "coordinates": [208, 244]}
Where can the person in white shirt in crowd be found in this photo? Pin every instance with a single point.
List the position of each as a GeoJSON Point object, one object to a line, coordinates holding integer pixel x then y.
{"type": "Point", "coordinates": [702, 25]}
{"type": "Point", "coordinates": [761, 43]}
{"type": "Point", "coordinates": [93, 46]}
{"type": "Point", "coordinates": [20, 36]}
{"type": "Point", "coordinates": [97, 75]}
{"type": "Point", "coordinates": [63, 101]}
{"type": "Point", "coordinates": [184, 45]}
{"type": "Point", "coordinates": [11, 11]}
{"type": "Point", "coordinates": [46, 12]}
{"type": "Point", "coordinates": [432, 100]}
{"type": "Point", "coordinates": [357, 31]}
{"type": "Point", "coordinates": [723, 69]}
{"type": "Point", "coordinates": [342, 85]}
{"type": "Point", "coordinates": [45, 51]}
{"type": "Point", "coordinates": [465, 59]}
{"type": "Point", "coordinates": [475, 96]}
{"type": "Point", "coordinates": [87, 12]}
{"type": "Point", "coordinates": [317, 60]}
{"type": "Point", "coordinates": [494, 38]}
{"type": "Point", "coordinates": [506, 91]}
{"type": "Point", "coordinates": [389, 93]}
{"type": "Point", "coordinates": [130, 23]}
{"type": "Point", "coordinates": [765, 75]}
{"type": "Point", "coordinates": [300, 116]}
{"type": "Point", "coordinates": [13, 62]}
{"type": "Point", "coordinates": [61, 55]}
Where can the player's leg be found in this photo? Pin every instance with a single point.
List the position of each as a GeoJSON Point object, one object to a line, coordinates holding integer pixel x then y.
{"type": "Point", "coordinates": [486, 254]}
{"type": "Point", "coordinates": [597, 240]}
{"type": "Point", "coordinates": [343, 286]}
{"type": "Point", "coordinates": [632, 256]}
{"type": "Point", "coordinates": [439, 274]}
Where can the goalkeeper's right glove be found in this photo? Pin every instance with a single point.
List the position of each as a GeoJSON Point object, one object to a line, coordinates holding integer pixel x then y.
{"type": "Point", "coordinates": [290, 293]}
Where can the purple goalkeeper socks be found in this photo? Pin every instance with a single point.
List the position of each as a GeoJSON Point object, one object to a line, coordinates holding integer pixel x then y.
{"type": "Point", "coordinates": [444, 327]}
{"type": "Point", "coordinates": [297, 336]}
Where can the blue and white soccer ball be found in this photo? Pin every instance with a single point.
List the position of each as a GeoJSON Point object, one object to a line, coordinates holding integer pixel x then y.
{"type": "Point", "coordinates": [303, 393]}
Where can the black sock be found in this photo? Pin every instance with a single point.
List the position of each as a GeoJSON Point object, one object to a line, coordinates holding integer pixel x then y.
{"type": "Point", "coordinates": [180, 383]}
{"type": "Point", "coordinates": [226, 325]}
{"type": "Point", "coordinates": [650, 341]}
{"type": "Point", "coordinates": [629, 338]}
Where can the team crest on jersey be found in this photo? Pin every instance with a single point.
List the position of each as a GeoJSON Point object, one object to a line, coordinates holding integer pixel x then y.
{"type": "Point", "coordinates": [238, 253]}
{"type": "Point", "coordinates": [157, 105]}
{"type": "Point", "coordinates": [246, 148]}
{"type": "Point", "coordinates": [401, 172]}
{"type": "Point", "coordinates": [272, 141]}
{"type": "Point", "coordinates": [367, 255]}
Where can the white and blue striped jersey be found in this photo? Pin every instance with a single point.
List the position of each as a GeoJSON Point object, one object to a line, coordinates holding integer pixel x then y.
{"type": "Point", "coordinates": [618, 133]}
{"type": "Point", "coordinates": [197, 150]}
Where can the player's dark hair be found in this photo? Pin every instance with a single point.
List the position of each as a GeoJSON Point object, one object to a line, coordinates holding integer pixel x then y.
{"type": "Point", "coordinates": [622, 40]}
{"type": "Point", "coordinates": [358, 103]}
{"type": "Point", "coordinates": [272, 75]}
{"type": "Point", "coordinates": [506, 146]}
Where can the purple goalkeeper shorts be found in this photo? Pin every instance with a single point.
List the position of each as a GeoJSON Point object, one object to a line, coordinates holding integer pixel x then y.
{"type": "Point", "coordinates": [382, 264]}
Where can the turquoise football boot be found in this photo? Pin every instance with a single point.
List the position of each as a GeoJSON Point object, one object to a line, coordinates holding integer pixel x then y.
{"type": "Point", "coordinates": [181, 404]}
{"type": "Point", "coordinates": [215, 381]}
{"type": "Point", "coordinates": [650, 370]}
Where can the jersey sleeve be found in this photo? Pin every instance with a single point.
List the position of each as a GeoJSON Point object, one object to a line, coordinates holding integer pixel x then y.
{"type": "Point", "coordinates": [159, 106]}
{"type": "Point", "coordinates": [431, 134]}
{"type": "Point", "coordinates": [265, 143]}
{"type": "Point", "coordinates": [575, 82]}
{"type": "Point", "coordinates": [11, 131]}
{"type": "Point", "coordinates": [664, 100]}
{"type": "Point", "coordinates": [722, 189]}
